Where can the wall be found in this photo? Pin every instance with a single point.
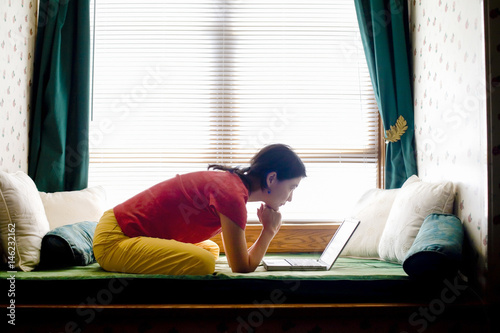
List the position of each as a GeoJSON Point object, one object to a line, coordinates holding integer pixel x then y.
{"type": "Point", "coordinates": [17, 42]}
{"type": "Point", "coordinates": [450, 110]}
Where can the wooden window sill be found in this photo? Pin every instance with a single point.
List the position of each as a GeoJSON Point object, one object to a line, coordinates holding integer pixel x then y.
{"type": "Point", "coordinates": [310, 237]}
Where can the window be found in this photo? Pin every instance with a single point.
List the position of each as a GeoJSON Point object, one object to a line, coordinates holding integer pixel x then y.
{"type": "Point", "coordinates": [178, 85]}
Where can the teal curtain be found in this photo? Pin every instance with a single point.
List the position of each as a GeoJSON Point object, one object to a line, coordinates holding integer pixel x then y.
{"type": "Point", "coordinates": [385, 35]}
{"type": "Point", "coordinates": [59, 119]}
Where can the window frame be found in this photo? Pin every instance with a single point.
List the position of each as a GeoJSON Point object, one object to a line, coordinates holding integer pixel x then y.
{"type": "Point", "coordinates": [292, 226]}
{"type": "Point", "coordinates": [300, 237]}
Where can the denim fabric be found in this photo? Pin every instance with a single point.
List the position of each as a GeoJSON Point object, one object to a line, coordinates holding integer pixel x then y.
{"type": "Point", "coordinates": [68, 245]}
{"type": "Point", "coordinates": [437, 249]}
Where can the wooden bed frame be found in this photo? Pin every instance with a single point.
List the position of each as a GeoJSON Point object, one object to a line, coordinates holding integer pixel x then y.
{"type": "Point", "coordinates": [465, 313]}
{"type": "Point", "coordinates": [465, 316]}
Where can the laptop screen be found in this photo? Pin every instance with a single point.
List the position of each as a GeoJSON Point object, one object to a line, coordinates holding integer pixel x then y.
{"type": "Point", "coordinates": [338, 241]}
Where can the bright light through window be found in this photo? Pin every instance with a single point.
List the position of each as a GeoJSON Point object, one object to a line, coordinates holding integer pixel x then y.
{"type": "Point", "coordinates": [178, 85]}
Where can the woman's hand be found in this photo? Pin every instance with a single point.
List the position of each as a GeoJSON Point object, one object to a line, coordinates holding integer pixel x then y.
{"type": "Point", "coordinates": [241, 259]}
{"type": "Point", "coordinates": [270, 219]}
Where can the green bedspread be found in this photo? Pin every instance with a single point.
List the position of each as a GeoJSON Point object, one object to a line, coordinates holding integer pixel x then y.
{"type": "Point", "coordinates": [349, 280]}
{"type": "Point", "coordinates": [344, 269]}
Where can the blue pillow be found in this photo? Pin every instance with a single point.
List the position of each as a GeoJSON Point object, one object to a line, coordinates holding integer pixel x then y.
{"type": "Point", "coordinates": [68, 245]}
{"type": "Point", "coordinates": [437, 250]}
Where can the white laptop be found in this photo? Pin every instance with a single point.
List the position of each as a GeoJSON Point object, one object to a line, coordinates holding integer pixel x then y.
{"type": "Point", "coordinates": [328, 257]}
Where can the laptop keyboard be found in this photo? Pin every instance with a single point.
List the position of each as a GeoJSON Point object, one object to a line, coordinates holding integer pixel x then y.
{"type": "Point", "coordinates": [303, 262]}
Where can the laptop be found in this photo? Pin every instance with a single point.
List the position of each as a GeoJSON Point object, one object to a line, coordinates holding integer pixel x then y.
{"type": "Point", "coordinates": [328, 257]}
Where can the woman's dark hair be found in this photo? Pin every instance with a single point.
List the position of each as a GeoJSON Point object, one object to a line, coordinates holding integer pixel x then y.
{"type": "Point", "coordinates": [279, 158]}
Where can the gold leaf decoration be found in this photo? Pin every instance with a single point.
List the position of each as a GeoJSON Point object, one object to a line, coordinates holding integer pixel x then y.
{"type": "Point", "coordinates": [395, 132]}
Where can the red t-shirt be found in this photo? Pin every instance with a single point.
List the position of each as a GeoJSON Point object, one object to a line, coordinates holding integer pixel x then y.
{"type": "Point", "coordinates": [185, 208]}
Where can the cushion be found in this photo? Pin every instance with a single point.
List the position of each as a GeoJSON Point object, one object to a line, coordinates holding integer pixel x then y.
{"type": "Point", "coordinates": [372, 209]}
{"type": "Point", "coordinates": [22, 220]}
{"type": "Point", "coordinates": [70, 207]}
{"type": "Point", "coordinates": [437, 250]}
{"type": "Point", "coordinates": [414, 202]}
{"type": "Point", "coordinates": [68, 245]}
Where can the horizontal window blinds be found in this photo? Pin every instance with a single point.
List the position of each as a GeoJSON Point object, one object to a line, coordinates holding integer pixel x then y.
{"type": "Point", "coordinates": [181, 84]}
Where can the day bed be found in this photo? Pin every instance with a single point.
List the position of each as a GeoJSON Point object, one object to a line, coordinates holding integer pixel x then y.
{"type": "Point", "coordinates": [392, 276]}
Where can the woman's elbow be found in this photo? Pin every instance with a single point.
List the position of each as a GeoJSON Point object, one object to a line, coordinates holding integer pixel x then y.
{"type": "Point", "coordinates": [242, 269]}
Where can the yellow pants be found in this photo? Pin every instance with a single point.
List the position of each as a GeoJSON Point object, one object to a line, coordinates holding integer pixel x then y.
{"type": "Point", "coordinates": [116, 252]}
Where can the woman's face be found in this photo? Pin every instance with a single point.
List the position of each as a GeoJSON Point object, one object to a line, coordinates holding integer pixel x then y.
{"type": "Point", "coordinates": [280, 191]}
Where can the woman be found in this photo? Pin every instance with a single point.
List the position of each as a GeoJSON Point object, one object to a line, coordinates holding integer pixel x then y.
{"type": "Point", "coordinates": [166, 229]}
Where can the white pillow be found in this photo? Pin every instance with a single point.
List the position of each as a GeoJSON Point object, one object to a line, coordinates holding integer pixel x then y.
{"type": "Point", "coordinates": [413, 203]}
{"type": "Point", "coordinates": [70, 207]}
{"type": "Point", "coordinates": [372, 209]}
{"type": "Point", "coordinates": [22, 220]}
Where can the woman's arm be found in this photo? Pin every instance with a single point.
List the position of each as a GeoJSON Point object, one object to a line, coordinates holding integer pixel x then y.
{"type": "Point", "coordinates": [241, 259]}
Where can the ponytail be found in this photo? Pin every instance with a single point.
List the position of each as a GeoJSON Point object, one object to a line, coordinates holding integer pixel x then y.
{"type": "Point", "coordinates": [241, 172]}
{"type": "Point", "coordinates": [277, 158]}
